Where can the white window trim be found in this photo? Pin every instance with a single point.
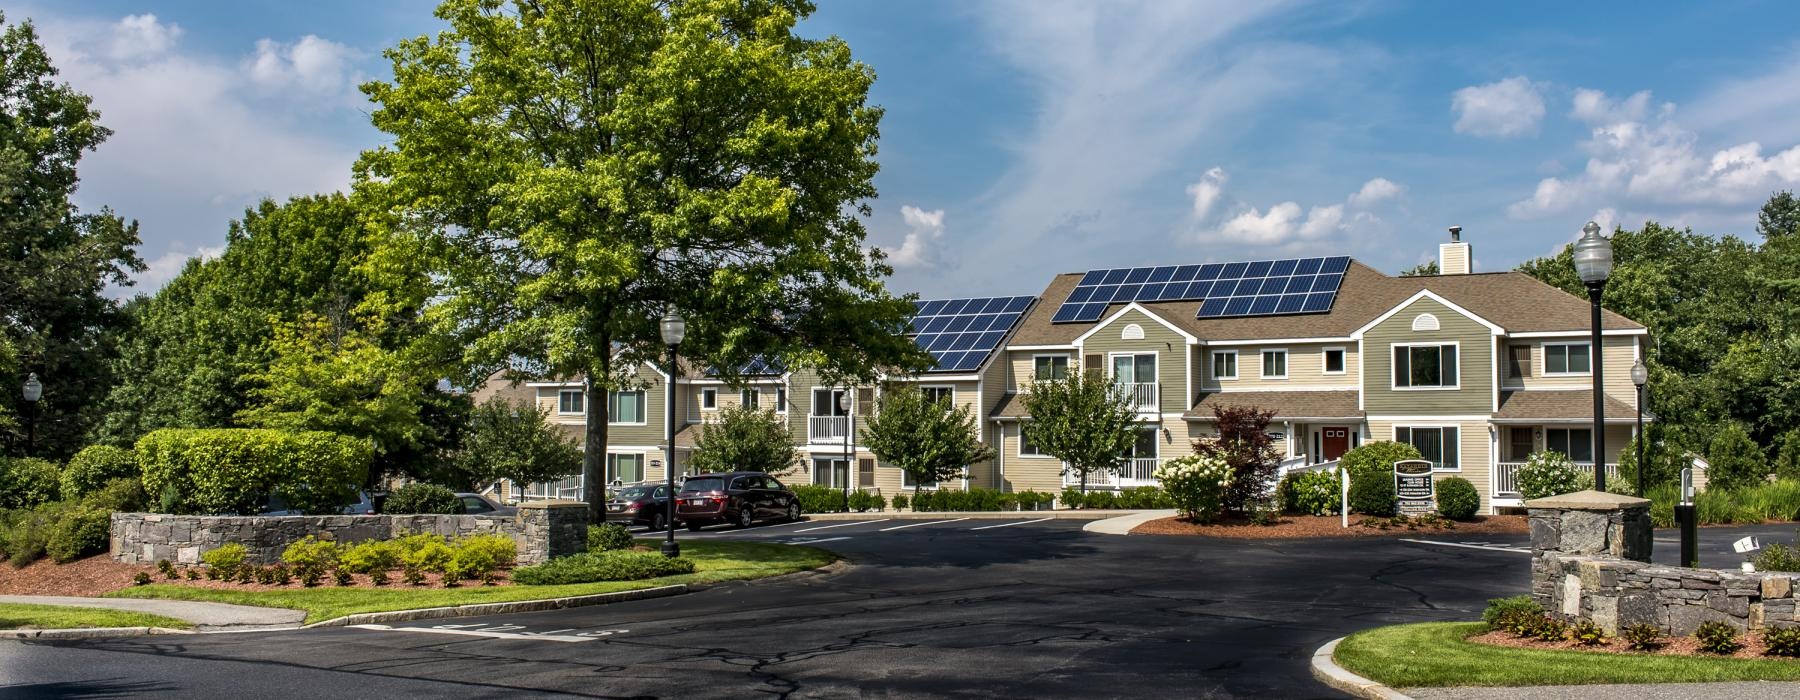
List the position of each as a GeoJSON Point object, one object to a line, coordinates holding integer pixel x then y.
{"type": "Point", "coordinates": [1459, 435]}
{"type": "Point", "coordinates": [1567, 428]}
{"type": "Point", "coordinates": [645, 412]}
{"type": "Point", "coordinates": [643, 464]}
{"type": "Point", "coordinates": [755, 398]}
{"type": "Point", "coordinates": [709, 395]}
{"type": "Point", "coordinates": [1134, 354]}
{"type": "Point", "coordinates": [1212, 366]}
{"type": "Point", "coordinates": [559, 402]}
{"type": "Point", "coordinates": [952, 387]}
{"type": "Point", "coordinates": [781, 400]}
{"type": "Point", "coordinates": [1263, 354]}
{"type": "Point", "coordinates": [1022, 453]}
{"type": "Point", "coordinates": [904, 477]}
{"type": "Point", "coordinates": [1323, 364]}
{"type": "Point", "coordinates": [1068, 364]}
{"type": "Point", "coordinates": [1544, 360]}
{"type": "Point", "coordinates": [1392, 386]}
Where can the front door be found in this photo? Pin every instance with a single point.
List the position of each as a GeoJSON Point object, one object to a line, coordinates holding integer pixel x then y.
{"type": "Point", "coordinates": [1335, 443]}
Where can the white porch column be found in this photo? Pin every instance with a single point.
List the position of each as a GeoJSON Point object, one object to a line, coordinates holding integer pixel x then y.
{"type": "Point", "coordinates": [1288, 430]}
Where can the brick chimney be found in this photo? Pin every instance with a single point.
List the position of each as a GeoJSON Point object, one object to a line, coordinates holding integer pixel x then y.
{"type": "Point", "coordinates": [1455, 258]}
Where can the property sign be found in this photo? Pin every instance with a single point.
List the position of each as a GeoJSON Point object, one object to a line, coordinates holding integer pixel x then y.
{"type": "Point", "coordinates": [1414, 488]}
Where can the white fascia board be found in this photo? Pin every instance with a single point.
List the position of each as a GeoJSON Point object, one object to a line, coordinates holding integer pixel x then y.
{"type": "Point", "coordinates": [1274, 341]}
{"type": "Point", "coordinates": [1082, 339]}
{"type": "Point", "coordinates": [1426, 294]}
{"type": "Point", "coordinates": [923, 378]}
{"type": "Point", "coordinates": [556, 384]}
{"type": "Point", "coordinates": [1070, 346]}
{"type": "Point", "coordinates": [1586, 333]}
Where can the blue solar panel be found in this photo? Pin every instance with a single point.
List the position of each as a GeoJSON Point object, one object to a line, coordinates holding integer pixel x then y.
{"type": "Point", "coordinates": [1251, 288]}
{"type": "Point", "coordinates": [960, 334]}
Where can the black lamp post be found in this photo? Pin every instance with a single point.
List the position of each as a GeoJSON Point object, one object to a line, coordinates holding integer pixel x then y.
{"type": "Point", "coordinates": [1640, 375]}
{"type": "Point", "coordinates": [1593, 263]}
{"type": "Point", "coordinates": [673, 330]}
{"type": "Point", "coordinates": [848, 405]}
{"type": "Point", "coordinates": [34, 390]}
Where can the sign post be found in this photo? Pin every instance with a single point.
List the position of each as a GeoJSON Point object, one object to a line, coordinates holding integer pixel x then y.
{"type": "Point", "coordinates": [1414, 488]}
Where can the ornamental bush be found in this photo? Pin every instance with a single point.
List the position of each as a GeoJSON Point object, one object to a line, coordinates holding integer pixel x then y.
{"type": "Point", "coordinates": [80, 532]}
{"type": "Point", "coordinates": [233, 470]}
{"type": "Point", "coordinates": [1499, 608]}
{"type": "Point", "coordinates": [311, 554]}
{"type": "Point", "coordinates": [1736, 460]}
{"type": "Point", "coordinates": [370, 557]}
{"type": "Point", "coordinates": [95, 465]}
{"type": "Point", "coordinates": [1312, 493]}
{"type": "Point", "coordinates": [819, 499]}
{"type": "Point", "coordinates": [225, 557]}
{"type": "Point", "coordinates": [1549, 473]}
{"type": "Point", "coordinates": [26, 482]}
{"type": "Point", "coordinates": [1373, 495]}
{"type": "Point", "coordinates": [1781, 641]}
{"type": "Point", "coordinates": [1642, 636]}
{"type": "Point", "coordinates": [421, 498]}
{"type": "Point", "coordinates": [1457, 498]}
{"type": "Point", "coordinates": [588, 567]}
{"type": "Point", "coordinates": [479, 556]}
{"type": "Point", "coordinates": [1376, 458]}
{"type": "Point", "coordinates": [1197, 485]}
{"type": "Point", "coordinates": [1718, 637]}
{"type": "Point", "coordinates": [608, 537]}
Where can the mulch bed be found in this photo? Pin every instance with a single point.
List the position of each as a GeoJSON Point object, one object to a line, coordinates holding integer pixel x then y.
{"type": "Point", "coordinates": [1306, 526]}
{"type": "Point", "coordinates": [360, 581]}
{"type": "Point", "coordinates": [89, 577]}
{"type": "Point", "coordinates": [1673, 646]}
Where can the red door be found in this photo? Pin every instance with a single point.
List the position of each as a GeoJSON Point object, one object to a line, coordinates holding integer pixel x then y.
{"type": "Point", "coordinates": [1336, 442]}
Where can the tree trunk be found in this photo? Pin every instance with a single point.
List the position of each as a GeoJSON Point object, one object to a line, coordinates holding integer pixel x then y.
{"type": "Point", "coordinates": [593, 456]}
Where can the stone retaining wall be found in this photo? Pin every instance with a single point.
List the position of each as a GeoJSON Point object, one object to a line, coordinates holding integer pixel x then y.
{"type": "Point", "coordinates": [542, 530]}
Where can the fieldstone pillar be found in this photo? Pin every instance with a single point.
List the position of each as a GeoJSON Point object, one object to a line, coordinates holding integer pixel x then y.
{"type": "Point", "coordinates": [1578, 541]}
{"type": "Point", "coordinates": [550, 529]}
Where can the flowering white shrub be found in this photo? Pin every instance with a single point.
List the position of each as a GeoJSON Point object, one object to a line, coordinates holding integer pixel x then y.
{"type": "Point", "coordinates": [1196, 484]}
{"type": "Point", "coordinates": [1549, 473]}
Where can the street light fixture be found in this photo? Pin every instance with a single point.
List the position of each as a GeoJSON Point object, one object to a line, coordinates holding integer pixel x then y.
{"type": "Point", "coordinates": [1640, 375]}
{"type": "Point", "coordinates": [673, 330]}
{"type": "Point", "coordinates": [848, 405]}
{"type": "Point", "coordinates": [33, 391]}
{"type": "Point", "coordinates": [1593, 263]}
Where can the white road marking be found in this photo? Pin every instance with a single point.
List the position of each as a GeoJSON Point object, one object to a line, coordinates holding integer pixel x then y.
{"type": "Point", "coordinates": [931, 522]}
{"type": "Point", "coordinates": [498, 632]}
{"type": "Point", "coordinates": [1490, 548]}
{"type": "Point", "coordinates": [1022, 522]}
{"type": "Point", "coordinates": [804, 540]}
{"type": "Point", "coordinates": [828, 527]}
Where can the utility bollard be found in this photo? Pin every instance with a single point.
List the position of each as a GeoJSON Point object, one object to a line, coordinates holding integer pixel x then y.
{"type": "Point", "coordinates": [1688, 519]}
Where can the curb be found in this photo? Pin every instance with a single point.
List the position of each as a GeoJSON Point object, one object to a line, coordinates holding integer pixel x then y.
{"type": "Point", "coordinates": [522, 606]}
{"type": "Point", "coordinates": [91, 633]}
{"type": "Point", "coordinates": [1326, 671]}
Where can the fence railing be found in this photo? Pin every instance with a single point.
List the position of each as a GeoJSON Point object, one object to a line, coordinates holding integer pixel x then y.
{"type": "Point", "coordinates": [827, 428]}
{"type": "Point", "coordinates": [1506, 475]}
{"type": "Point", "coordinates": [1140, 471]}
{"type": "Point", "coordinates": [1144, 395]}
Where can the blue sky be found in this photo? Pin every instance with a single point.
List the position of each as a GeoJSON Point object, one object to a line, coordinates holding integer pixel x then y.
{"type": "Point", "coordinates": [1027, 138]}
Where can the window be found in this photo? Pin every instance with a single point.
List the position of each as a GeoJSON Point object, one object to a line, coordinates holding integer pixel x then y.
{"type": "Point", "coordinates": [1049, 367]}
{"type": "Point", "coordinates": [1138, 369]}
{"type": "Point", "coordinates": [1566, 358]}
{"type": "Point", "coordinates": [1274, 364]}
{"type": "Point", "coordinates": [1576, 443]}
{"type": "Point", "coordinates": [709, 399]}
{"type": "Point", "coordinates": [1425, 366]}
{"type": "Point", "coordinates": [628, 468]}
{"type": "Point", "coordinates": [1334, 360]}
{"type": "Point", "coordinates": [906, 481]}
{"type": "Point", "coordinates": [1224, 365]}
{"type": "Point", "coordinates": [941, 395]}
{"type": "Point", "coordinates": [825, 402]}
{"type": "Point", "coordinates": [1518, 361]}
{"type": "Point", "coordinates": [831, 472]}
{"type": "Point", "coordinates": [781, 399]}
{"type": "Point", "coordinates": [750, 397]}
{"type": "Point", "coordinates": [1439, 445]}
{"type": "Point", "coordinates": [570, 401]}
{"type": "Point", "coordinates": [1027, 448]}
{"type": "Point", "coordinates": [627, 407]}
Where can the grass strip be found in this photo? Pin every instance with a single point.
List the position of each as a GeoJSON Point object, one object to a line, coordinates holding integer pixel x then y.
{"type": "Point", "coordinates": [28, 616]}
{"type": "Point", "coordinates": [1437, 654]}
{"type": "Point", "coordinates": [713, 562]}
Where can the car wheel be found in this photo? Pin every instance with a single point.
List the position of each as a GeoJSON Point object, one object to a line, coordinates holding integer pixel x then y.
{"type": "Point", "coordinates": [746, 517]}
{"type": "Point", "coordinates": [693, 526]}
{"type": "Point", "coordinates": [659, 521]}
{"type": "Point", "coordinates": [793, 514]}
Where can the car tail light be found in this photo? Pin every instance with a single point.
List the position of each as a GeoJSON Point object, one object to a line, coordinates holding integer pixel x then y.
{"type": "Point", "coordinates": [633, 507]}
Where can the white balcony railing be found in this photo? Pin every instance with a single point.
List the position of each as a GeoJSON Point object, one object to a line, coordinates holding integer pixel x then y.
{"type": "Point", "coordinates": [1143, 395]}
{"type": "Point", "coordinates": [1506, 476]}
{"type": "Point", "coordinates": [827, 428]}
{"type": "Point", "coordinates": [1139, 471]}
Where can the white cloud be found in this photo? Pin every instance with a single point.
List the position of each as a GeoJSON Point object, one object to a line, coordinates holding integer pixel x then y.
{"type": "Point", "coordinates": [1510, 107]}
{"type": "Point", "coordinates": [1595, 108]}
{"type": "Point", "coordinates": [141, 35]}
{"type": "Point", "coordinates": [158, 271]}
{"type": "Point", "coordinates": [1257, 228]}
{"type": "Point", "coordinates": [920, 246]}
{"type": "Point", "coordinates": [1206, 192]}
{"type": "Point", "coordinates": [312, 64]}
{"type": "Point", "coordinates": [1375, 191]}
{"type": "Point", "coordinates": [1759, 106]}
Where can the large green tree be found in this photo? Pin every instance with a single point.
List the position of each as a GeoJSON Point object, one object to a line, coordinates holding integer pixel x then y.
{"type": "Point", "coordinates": [929, 441]}
{"type": "Point", "coordinates": [514, 441]}
{"type": "Point", "coordinates": [569, 170]}
{"type": "Point", "coordinates": [745, 437]}
{"type": "Point", "coordinates": [1082, 419]}
{"type": "Point", "coordinates": [55, 260]}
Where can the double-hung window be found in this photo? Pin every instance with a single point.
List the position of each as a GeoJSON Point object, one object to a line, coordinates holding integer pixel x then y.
{"type": "Point", "coordinates": [1566, 358]}
{"type": "Point", "coordinates": [1575, 443]}
{"type": "Point", "coordinates": [709, 399]}
{"type": "Point", "coordinates": [1425, 366]}
{"type": "Point", "coordinates": [1274, 364]}
{"type": "Point", "coordinates": [1049, 367]}
{"type": "Point", "coordinates": [570, 401]}
{"type": "Point", "coordinates": [831, 472]}
{"type": "Point", "coordinates": [940, 395]}
{"type": "Point", "coordinates": [1224, 364]}
{"type": "Point", "coordinates": [625, 467]}
{"type": "Point", "coordinates": [627, 407]}
{"type": "Point", "coordinates": [750, 397]}
{"type": "Point", "coordinates": [781, 399]}
{"type": "Point", "coordinates": [1438, 444]}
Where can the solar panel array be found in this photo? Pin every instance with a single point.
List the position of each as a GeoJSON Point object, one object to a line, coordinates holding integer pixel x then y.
{"type": "Point", "coordinates": [1262, 288]}
{"type": "Point", "coordinates": [961, 333]}
{"type": "Point", "coordinates": [759, 367]}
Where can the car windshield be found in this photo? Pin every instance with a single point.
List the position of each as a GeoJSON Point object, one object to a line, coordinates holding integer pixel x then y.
{"type": "Point", "coordinates": [705, 484]}
{"type": "Point", "coordinates": [634, 492]}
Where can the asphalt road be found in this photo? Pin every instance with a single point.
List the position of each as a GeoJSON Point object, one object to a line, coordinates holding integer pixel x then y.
{"type": "Point", "coordinates": [938, 609]}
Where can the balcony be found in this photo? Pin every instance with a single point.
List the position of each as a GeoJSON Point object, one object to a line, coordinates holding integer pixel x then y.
{"type": "Point", "coordinates": [1506, 476]}
{"type": "Point", "coordinates": [828, 429]}
{"type": "Point", "coordinates": [1138, 471]}
{"type": "Point", "coordinates": [1145, 396]}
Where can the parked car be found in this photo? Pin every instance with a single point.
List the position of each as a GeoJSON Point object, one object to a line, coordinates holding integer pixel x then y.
{"type": "Point", "coordinates": [646, 504]}
{"type": "Point", "coordinates": [741, 498]}
{"type": "Point", "coordinates": [477, 504]}
{"type": "Point", "coordinates": [273, 505]}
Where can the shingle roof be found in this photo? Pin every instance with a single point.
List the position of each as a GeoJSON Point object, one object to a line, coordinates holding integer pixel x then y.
{"type": "Point", "coordinates": [1577, 405]}
{"type": "Point", "coordinates": [1287, 405]}
{"type": "Point", "coordinates": [1011, 405]}
{"type": "Point", "coordinates": [1513, 300]}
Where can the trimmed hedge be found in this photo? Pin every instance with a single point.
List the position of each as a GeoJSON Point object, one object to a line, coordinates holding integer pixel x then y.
{"type": "Point", "coordinates": [94, 466]}
{"type": "Point", "coordinates": [26, 482]}
{"type": "Point", "coordinates": [607, 537]}
{"type": "Point", "coordinates": [588, 567]}
{"type": "Point", "coordinates": [1457, 498]}
{"type": "Point", "coordinates": [430, 499]}
{"type": "Point", "coordinates": [1373, 496]}
{"type": "Point", "coordinates": [819, 499]}
{"type": "Point", "coordinates": [232, 470]}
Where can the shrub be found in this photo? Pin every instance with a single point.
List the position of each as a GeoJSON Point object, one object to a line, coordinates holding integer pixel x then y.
{"type": "Point", "coordinates": [369, 557]}
{"type": "Point", "coordinates": [819, 499]}
{"type": "Point", "coordinates": [192, 574]}
{"type": "Point", "coordinates": [1197, 484]}
{"type": "Point", "coordinates": [1781, 641]}
{"type": "Point", "coordinates": [423, 498]}
{"type": "Point", "coordinates": [434, 557]}
{"type": "Point", "coordinates": [1373, 495]}
{"type": "Point", "coordinates": [124, 495]}
{"type": "Point", "coordinates": [1263, 512]}
{"type": "Point", "coordinates": [859, 501]}
{"type": "Point", "coordinates": [1549, 473]}
{"type": "Point", "coordinates": [1073, 497]}
{"type": "Point", "coordinates": [1311, 493]}
{"type": "Point", "coordinates": [608, 536]}
{"type": "Point", "coordinates": [232, 470]}
{"type": "Point", "coordinates": [342, 577]}
{"type": "Point", "coordinates": [1099, 500]}
{"type": "Point", "coordinates": [1143, 498]}
{"type": "Point", "coordinates": [588, 567]}
{"type": "Point", "coordinates": [1736, 460]}
{"type": "Point", "coordinates": [78, 533]}
{"type": "Point", "coordinates": [1033, 500]}
{"type": "Point", "coordinates": [226, 557]}
{"type": "Point", "coordinates": [1499, 607]}
{"type": "Point", "coordinates": [899, 502]}
{"type": "Point", "coordinates": [877, 501]}
{"type": "Point", "coordinates": [1777, 557]}
{"type": "Point", "coordinates": [1586, 633]}
{"type": "Point", "coordinates": [26, 482]}
{"type": "Point", "coordinates": [1642, 636]}
{"type": "Point", "coordinates": [1550, 629]}
{"type": "Point", "coordinates": [1787, 456]}
{"type": "Point", "coordinates": [94, 466]}
{"type": "Point", "coordinates": [1376, 458]}
{"type": "Point", "coordinates": [166, 568]}
{"type": "Point", "coordinates": [310, 554]}
{"type": "Point", "coordinates": [479, 556]}
{"type": "Point", "coordinates": [1457, 499]}
{"type": "Point", "coordinates": [141, 579]}
{"type": "Point", "coordinates": [1718, 637]}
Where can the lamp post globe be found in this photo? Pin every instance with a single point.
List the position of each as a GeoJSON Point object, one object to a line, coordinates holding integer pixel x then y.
{"type": "Point", "coordinates": [33, 388]}
{"type": "Point", "coordinates": [32, 392]}
{"type": "Point", "coordinates": [1593, 263]}
{"type": "Point", "coordinates": [1593, 255]}
{"type": "Point", "coordinates": [673, 330]}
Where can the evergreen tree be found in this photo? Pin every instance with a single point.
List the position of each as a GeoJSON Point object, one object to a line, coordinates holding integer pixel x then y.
{"type": "Point", "coordinates": [1736, 460]}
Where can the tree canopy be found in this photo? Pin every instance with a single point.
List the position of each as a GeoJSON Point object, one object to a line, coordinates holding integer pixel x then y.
{"type": "Point", "coordinates": [744, 437]}
{"type": "Point", "coordinates": [1083, 420]}
{"type": "Point", "coordinates": [513, 441]}
{"type": "Point", "coordinates": [929, 441]}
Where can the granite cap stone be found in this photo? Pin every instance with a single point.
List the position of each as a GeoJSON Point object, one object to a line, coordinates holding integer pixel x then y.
{"type": "Point", "coordinates": [1588, 500]}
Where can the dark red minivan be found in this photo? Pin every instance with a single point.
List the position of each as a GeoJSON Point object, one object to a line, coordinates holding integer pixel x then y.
{"type": "Point", "coordinates": [741, 498]}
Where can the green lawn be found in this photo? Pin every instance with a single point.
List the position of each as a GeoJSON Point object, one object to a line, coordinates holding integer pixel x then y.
{"type": "Point", "coordinates": [1436, 654]}
{"type": "Point", "coordinates": [713, 561]}
{"type": "Point", "coordinates": [15, 616]}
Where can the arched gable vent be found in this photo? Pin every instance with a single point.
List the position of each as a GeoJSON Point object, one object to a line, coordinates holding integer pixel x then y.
{"type": "Point", "coordinates": [1132, 332]}
{"type": "Point", "coordinates": [1425, 322]}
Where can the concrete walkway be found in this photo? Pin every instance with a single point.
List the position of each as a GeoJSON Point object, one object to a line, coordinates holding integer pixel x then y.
{"type": "Point", "coordinates": [1751, 690]}
{"type": "Point", "coordinates": [207, 617]}
{"type": "Point", "coordinates": [1123, 524]}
